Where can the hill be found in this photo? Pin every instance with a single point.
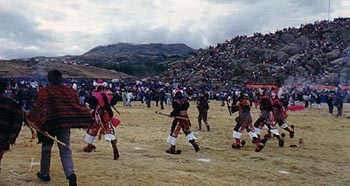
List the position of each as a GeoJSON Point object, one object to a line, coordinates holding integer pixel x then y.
{"type": "Point", "coordinates": [138, 60]}
{"type": "Point", "coordinates": [39, 68]}
{"type": "Point", "coordinates": [141, 49]}
{"type": "Point", "coordinates": [317, 53]}
{"type": "Point", "coordinates": [127, 61]}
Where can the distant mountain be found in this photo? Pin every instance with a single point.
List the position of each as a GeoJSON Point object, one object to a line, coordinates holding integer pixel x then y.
{"type": "Point", "coordinates": [122, 60]}
{"type": "Point", "coordinates": [140, 49]}
{"type": "Point", "coordinates": [139, 60]}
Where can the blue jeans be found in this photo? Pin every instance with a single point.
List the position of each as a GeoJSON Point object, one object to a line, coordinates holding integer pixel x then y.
{"type": "Point", "coordinates": [65, 153]}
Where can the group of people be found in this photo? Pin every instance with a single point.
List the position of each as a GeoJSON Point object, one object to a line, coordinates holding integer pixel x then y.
{"type": "Point", "coordinates": [273, 112]}
{"type": "Point", "coordinates": [58, 108]}
{"type": "Point", "coordinates": [55, 112]}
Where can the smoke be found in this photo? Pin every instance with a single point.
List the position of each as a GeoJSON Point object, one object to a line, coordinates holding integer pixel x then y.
{"type": "Point", "coordinates": [297, 80]}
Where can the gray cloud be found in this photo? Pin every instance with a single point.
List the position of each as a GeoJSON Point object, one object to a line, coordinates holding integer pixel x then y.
{"type": "Point", "coordinates": [79, 26]}
{"type": "Point", "coordinates": [19, 29]}
{"type": "Point", "coordinates": [267, 16]}
{"type": "Point", "coordinates": [20, 36]}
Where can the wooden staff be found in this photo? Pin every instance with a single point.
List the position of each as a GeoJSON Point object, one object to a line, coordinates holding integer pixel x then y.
{"type": "Point", "coordinates": [115, 109]}
{"type": "Point", "coordinates": [43, 132]}
{"type": "Point", "coordinates": [33, 131]}
{"type": "Point", "coordinates": [229, 107]}
{"type": "Point", "coordinates": [177, 117]}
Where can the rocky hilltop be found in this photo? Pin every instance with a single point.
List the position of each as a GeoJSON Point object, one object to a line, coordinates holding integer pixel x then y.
{"type": "Point", "coordinates": [317, 53]}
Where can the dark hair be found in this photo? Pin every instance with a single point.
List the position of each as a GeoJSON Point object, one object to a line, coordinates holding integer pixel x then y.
{"type": "Point", "coordinates": [178, 95]}
{"type": "Point", "coordinates": [99, 88]}
{"type": "Point", "coordinates": [54, 77]}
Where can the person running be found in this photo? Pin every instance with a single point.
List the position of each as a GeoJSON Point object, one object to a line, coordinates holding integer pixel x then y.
{"type": "Point", "coordinates": [181, 121]}
{"type": "Point", "coordinates": [266, 119]}
{"type": "Point", "coordinates": [280, 115]}
{"type": "Point", "coordinates": [102, 102]}
{"type": "Point", "coordinates": [244, 121]}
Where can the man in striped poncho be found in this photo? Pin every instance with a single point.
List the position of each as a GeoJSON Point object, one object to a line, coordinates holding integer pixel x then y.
{"type": "Point", "coordinates": [11, 118]}
{"type": "Point", "coordinates": [57, 110]}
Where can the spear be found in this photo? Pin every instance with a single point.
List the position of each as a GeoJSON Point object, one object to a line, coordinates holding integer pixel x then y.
{"type": "Point", "coordinates": [177, 117]}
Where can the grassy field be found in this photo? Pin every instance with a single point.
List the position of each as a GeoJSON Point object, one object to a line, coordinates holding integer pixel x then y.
{"type": "Point", "coordinates": [324, 160]}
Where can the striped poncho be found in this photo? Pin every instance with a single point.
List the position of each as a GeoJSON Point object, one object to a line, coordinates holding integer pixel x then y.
{"type": "Point", "coordinates": [57, 106]}
{"type": "Point", "coordinates": [11, 118]}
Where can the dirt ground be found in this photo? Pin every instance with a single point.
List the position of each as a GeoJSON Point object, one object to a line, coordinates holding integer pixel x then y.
{"type": "Point", "coordinates": [324, 160]}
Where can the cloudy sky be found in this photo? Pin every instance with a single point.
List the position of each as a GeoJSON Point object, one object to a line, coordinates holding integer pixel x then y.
{"type": "Point", "coordinates": [72, 27]}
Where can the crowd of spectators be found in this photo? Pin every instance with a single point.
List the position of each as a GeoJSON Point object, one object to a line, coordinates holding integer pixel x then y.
{"type": "Point", "coordinates": [160, 95]}
{"type": "Point", "coordinates": [272, 54]}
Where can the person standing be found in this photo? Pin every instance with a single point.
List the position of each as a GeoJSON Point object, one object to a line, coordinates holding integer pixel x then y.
{"type": "Point", "coordinates": [203, 107]}
{"type": "Point", "coordinates": [162, 98]}
{"type": "Point", "coordinates": [148, 97]}
{"type": "Point", "coordinates": [57, 110]}
{"type": "Point", "coordinates": [11, 118]}
{"type": "Point", "coordinates": [181, 121]}
{"type": "Point", "coordinates": [156, 96]}
{"type": "Point", "coordinates": [318, 100]}
{"type": "Point", "coordinates": [82, 95]}
{"type": "Point", "coordinates": [338, 102]}
{"type": "Point", "coordinates": [124, 98]}
{"type": "Point", "coordinates": [330, 102]}
{"type": "Point", "coordinates": [129, 98]}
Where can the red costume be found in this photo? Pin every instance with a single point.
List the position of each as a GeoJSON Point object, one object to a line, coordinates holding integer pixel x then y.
{"type": "Point", "coordinates": [180, 106]}
{"type": "Point", "coordinates": [244, 121]}
{"type": "Point", "coordinates": [101, 103]}
{"type": "Point", "coordinates": [280, 115]}
{"type": "Point", "coordinates": [266, 119]}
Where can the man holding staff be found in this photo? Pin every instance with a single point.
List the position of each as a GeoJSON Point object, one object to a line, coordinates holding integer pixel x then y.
{"type": "Point", "coordinates": [55, 111]}
{"type": "Point", "coordinates": [181, 121]}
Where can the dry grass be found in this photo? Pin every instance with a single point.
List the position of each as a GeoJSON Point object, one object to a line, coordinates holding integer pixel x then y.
{"type": "Point", "coordinates": [324, 160]}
